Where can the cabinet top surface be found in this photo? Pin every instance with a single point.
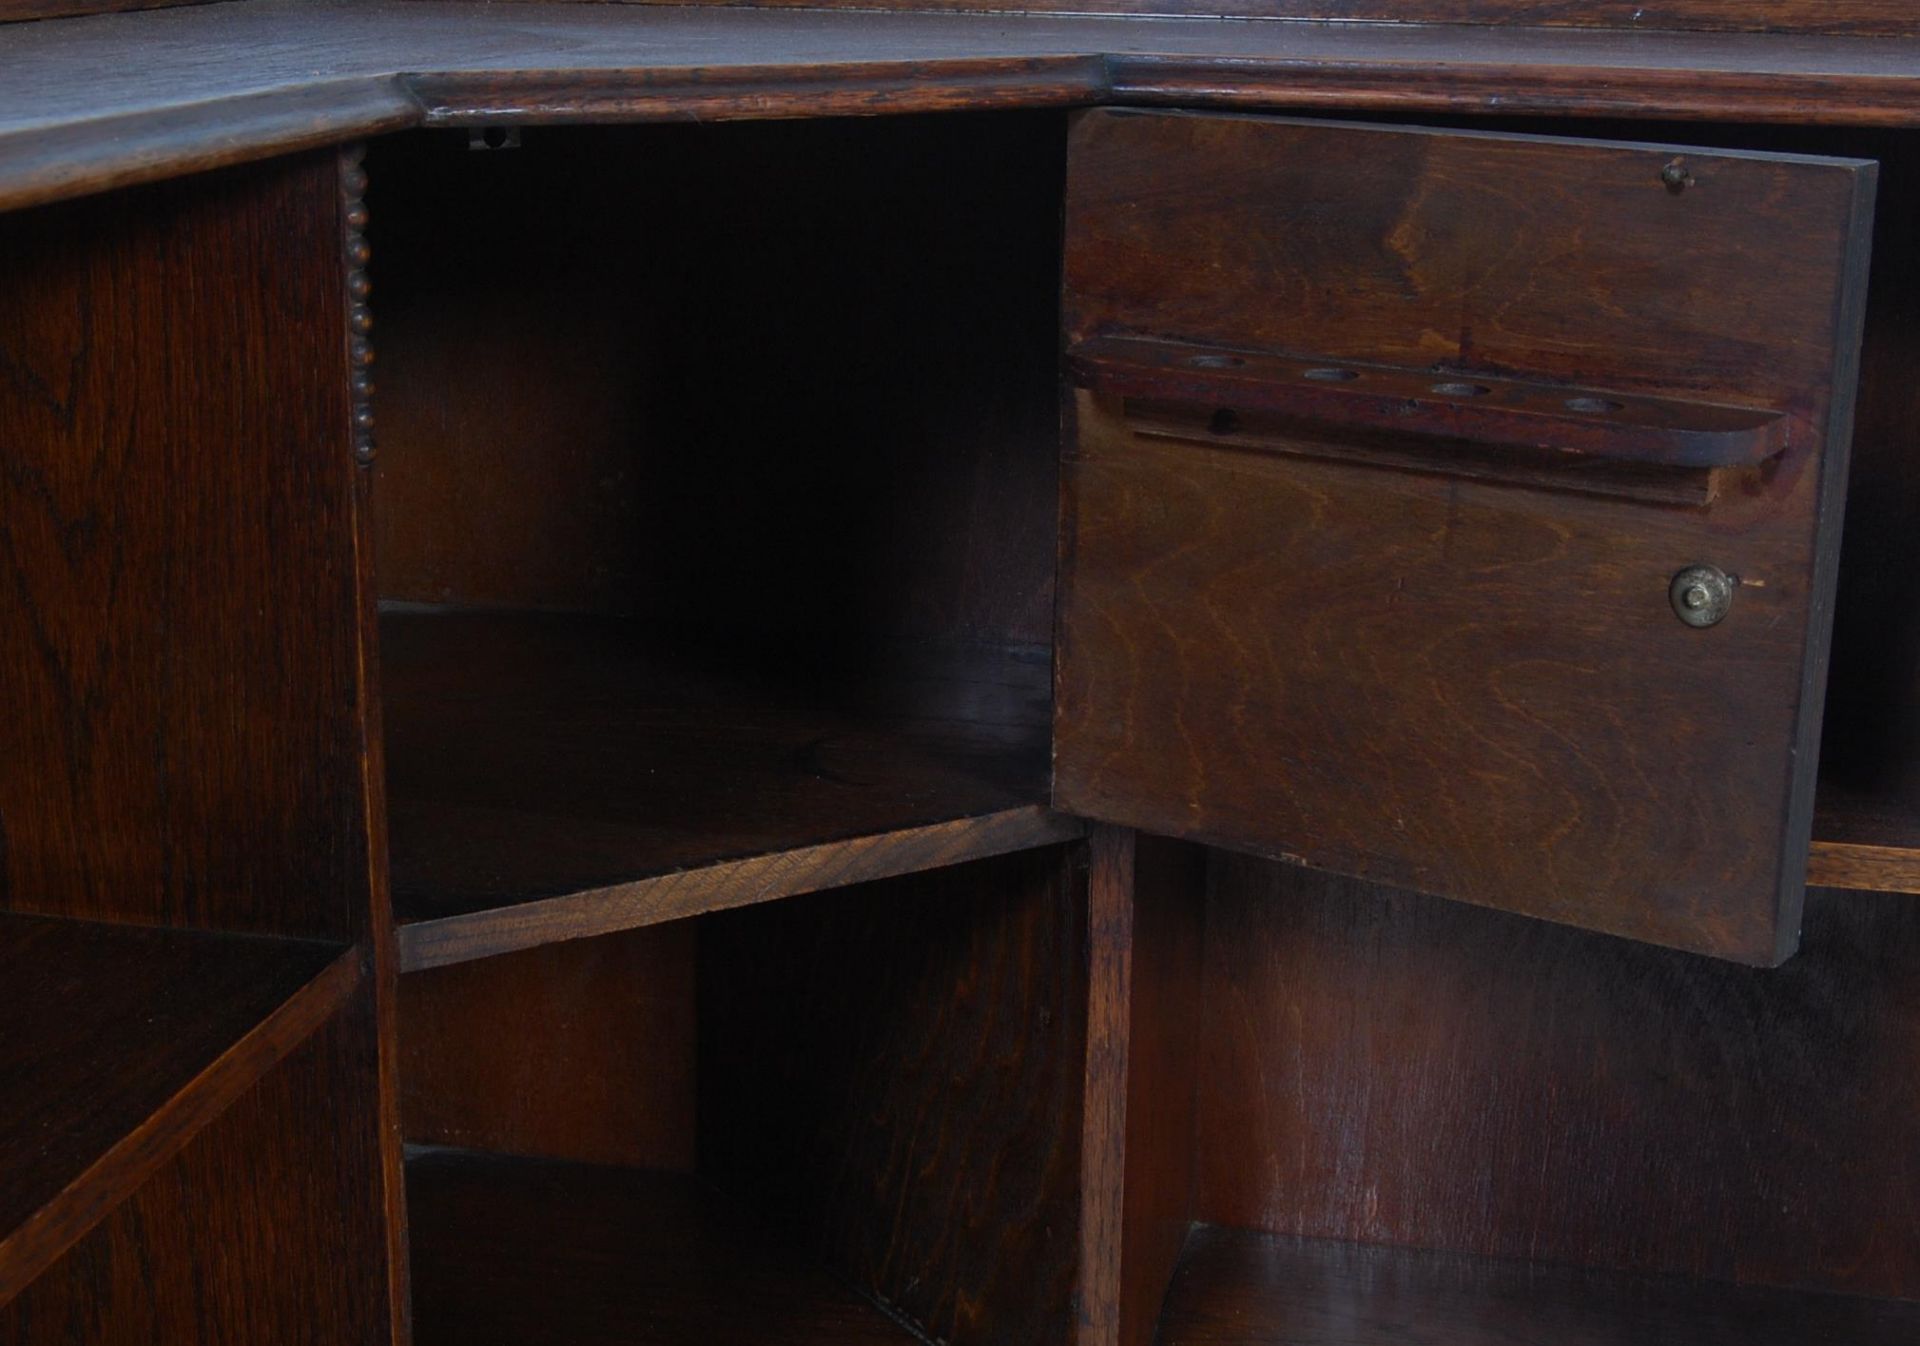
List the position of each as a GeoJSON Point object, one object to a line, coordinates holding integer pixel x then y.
{"type": "Point", "coordinates": [94, 103]}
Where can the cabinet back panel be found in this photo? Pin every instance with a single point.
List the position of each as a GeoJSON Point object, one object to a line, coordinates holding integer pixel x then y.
{"type": "Point", "coordinates": [581, 1050]}
{"type": "Point", "coordinates": [1395, 1069]}
{"type": "Point", "coordinates": [894, 1072]}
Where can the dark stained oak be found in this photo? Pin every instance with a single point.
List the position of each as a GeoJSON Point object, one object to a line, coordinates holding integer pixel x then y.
{"type": "Point", "coordinates": [514, 1252]}
{"type": "Point", "coordinates": [265, 1228]}
{"type": "Point", "coordinates": [219, 84]}
{"type": "Point", "coordinates": [180, 638]}
{"type": "Point", "coordinates": [556, 777]}
{"type": "Point", "coordinates": [1387, 1068]}
{"type": "Point", "coordinates": [1236, 1288]}
{"type": "Point", "coordinates": [1464, 687]}
{"type": "Point", "coordinates": [583, 1050]}
{"type": "Point", "coordinates": [894, 1072]}
{"type": "Point", "coordinates": [120, 1043]}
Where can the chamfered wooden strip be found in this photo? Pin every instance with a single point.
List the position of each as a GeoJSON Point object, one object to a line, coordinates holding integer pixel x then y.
{"type": "Point", "coordinates": [510, 1252]}
{"type": "Point", "coordinates": [1237, 1288]}
{"type": "Point", "coordinates": [1857, 17]}
{"type": "Point", "coordinates": [120, 1043]}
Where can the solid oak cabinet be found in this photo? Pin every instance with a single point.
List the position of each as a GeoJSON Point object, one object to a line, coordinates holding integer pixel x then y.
{"type": "Point", "coordinates": [1459, 510]}
{"type": "Point", "coordinates": [781, 728]}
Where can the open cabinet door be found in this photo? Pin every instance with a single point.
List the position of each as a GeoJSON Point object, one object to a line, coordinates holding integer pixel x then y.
{"type": "Point", "coordinates": [1460, 510]}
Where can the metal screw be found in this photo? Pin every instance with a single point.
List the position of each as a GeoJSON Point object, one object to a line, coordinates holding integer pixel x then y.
{"type": "Point", "coordinates": [1675, 176]}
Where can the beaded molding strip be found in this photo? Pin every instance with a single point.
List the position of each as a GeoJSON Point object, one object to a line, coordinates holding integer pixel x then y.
{"type": "Point", "coordinates": [353, 215]}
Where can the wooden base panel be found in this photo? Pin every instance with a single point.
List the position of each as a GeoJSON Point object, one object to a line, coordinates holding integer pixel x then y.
{"type": "Point", "coordinates": [1243, 1289]}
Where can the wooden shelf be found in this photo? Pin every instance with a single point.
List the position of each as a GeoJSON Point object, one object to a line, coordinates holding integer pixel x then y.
{"type": "Point", "coordinates": [556, 777]}
{"type": "Point", "coordinates": [511, 1251]}
{"type": "Point", "coordinates": [1235, 1288]}
{"type": "Point", "coordinates": [1864, 838]}
{"type": "Point", "coordinates": [117, 1044]}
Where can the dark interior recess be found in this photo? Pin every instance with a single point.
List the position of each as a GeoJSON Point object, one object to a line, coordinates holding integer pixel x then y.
{"type": "Point", "coordinates": [715, 525]}
{"type": "Point", "coordinates": [716, 520]}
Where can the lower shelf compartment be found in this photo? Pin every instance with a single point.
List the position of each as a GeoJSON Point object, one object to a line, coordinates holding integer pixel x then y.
{"type": "Point", "coordinates": [512, 1252]}
{"type": "Point", "coordinates": [1235, 1288]}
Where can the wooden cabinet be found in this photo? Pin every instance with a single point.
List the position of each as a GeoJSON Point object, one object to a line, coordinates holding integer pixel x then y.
{"type": "Point", "coordinates": [701, 810]}
{"type": "Point", "coordinates": [1460, 510]}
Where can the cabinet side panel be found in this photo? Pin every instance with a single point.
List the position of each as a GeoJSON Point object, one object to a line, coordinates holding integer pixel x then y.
{"type": "Point", "coordinates": [179, 642]}
{"type": "Point", "coordinates": [1392, 1069]}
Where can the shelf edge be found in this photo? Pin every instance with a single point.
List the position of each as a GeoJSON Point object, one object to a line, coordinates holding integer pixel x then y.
{"type": "Point", "coordinates": [729, 883]}
{"type": "Point", "coordinates": [39, 1240]}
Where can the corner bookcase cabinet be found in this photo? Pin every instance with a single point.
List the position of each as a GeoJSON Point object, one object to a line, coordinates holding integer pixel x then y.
{"type": "Point", "coordinates": [641, 711]}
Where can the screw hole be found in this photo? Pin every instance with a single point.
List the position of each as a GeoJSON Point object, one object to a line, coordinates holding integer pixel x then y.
{"type": "Point", "coordinates": [1215, 361]}
{"type": "Point", "coordinates": [1224, 422]}
{"type": "Point", "coordinates": [1597, 406]}
{"type": "Point", "coordinates": [1461, 389]}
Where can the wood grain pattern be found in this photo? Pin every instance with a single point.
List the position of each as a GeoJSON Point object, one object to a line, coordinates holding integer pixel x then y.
{"type": "Point", "coordinates": [219, 84]}
{"type": "Point", "coordinates": [514, 1252]}
{"type": "Point", "coordinates": [1241, 1289]}
{"type": "Point", "coordinates": [1392, 1069]}
{"type": "Point", "coordinates": [895, 1073]}
{"type": "Point", "coordinates": [1481, 691]}
{"type": "Point", "coordinates": [121, 1043]}
{"type": "Point", "coordinates": [266, 1227]}
{"type": "Point", "coordinates": [581, 1051]}
{"type": "Point", "coordinates": [180, 642]}
{"type": "Point", "coordinates": [556, 777]}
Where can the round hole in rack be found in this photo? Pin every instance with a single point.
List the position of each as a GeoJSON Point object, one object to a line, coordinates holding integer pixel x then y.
{"type": "Point", "coordinates": [1331, 375]}
{"type": "Point", "coordinates": [1596, 406]}
{"type": "Point", "coordinates": [1215, 361]}
{"type": "Point", "coordinates": [1224, 421]}
{"type": "Point", "coordinates": [1461, 389]}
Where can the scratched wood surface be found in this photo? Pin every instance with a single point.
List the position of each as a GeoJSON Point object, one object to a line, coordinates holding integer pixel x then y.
{"type": "Point", "coordinates": [1458, 686]}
